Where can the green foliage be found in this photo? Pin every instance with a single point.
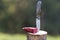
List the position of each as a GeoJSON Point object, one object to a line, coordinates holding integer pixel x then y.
{"type": "Point", "coordinates": [52, 18]}
{"type": "Point", "coordinates": [16, 14]}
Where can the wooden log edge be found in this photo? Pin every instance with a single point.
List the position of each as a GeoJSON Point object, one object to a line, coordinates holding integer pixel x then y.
{"type": "Point", "coordinates": [41, 35]}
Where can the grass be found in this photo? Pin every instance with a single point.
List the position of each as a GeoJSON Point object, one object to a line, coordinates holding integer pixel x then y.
{"type": "Point", "coordinates": [53, 37]}
{"type": "Point", "coordinates": [4, 36]}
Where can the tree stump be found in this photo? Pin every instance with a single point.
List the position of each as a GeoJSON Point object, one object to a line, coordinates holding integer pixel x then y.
{"type": "Point", "coordinates": [41, 35]}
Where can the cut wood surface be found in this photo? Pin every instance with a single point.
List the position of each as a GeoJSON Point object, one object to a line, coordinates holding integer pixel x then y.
{"type": "Point", "coordinates": [41, 35]}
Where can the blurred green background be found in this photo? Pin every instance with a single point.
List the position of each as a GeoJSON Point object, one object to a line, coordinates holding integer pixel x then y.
{"type": "Point", "coordinates": [16, 14]}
